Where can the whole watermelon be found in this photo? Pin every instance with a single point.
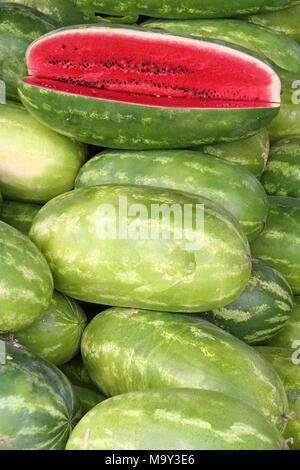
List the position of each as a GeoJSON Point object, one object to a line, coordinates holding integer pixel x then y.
{"type": "Point", "coordinates": [19, 26]}
{"type": "Point", "coordinates": [38, 406]}
{"type": "Point", "coordinates": [289, 337]}
{"type": "Point", "coordinates": [186, 9]}
{"type": "Point", "coordinates": [261, 311]}
{"type": "Point", "coordinates": [26, 284]}
{"type": "Point", "coordinates": [143, 247]}
{"type": "Point", "coordinates": [223, 182]}
{"type": "Point", "coordinates": [56, 336]}
{"type": "Point", "coordinates": [251, 153]}
{"type": "Point", "coordinates": [282, 175]}
{"type": "Point", "coordinates": [19, 214]}
{"type": "Point", "coordinates": [128, 350]}
{"type": "Point", "coordinates": [279, 243]}
{"type": "Point", "coordinates": [285, 21]}
{"type": "Point", "coordinates": [287, 122]}
{"type": "Point", "coordinates": [36, 164]}
{"type": "Point", "coordinates": [289, 372]}
{"type": "Point", "coordinates": [64, 12]}
{"type": "Point", "coordinates": [174, 419]}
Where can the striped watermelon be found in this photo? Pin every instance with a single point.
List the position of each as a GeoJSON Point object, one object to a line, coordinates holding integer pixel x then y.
{"type": "Point", "coordinates": [287, 122]}
{"type": "Point", "coordinates": [279, 243]}
{"type": "Point", "coordinates": [282, 176]}
{"type": "Point", "coordinates": [128, 350]}
{"type": "Point", "coordinates": [186, 9]}
{"type": "Point", "coordinates": [285, 21]}
{"type": "Point", "coordinates": [19, 26]}
{"type": "Point", "coordinates": [174, 419]}
{"type": "Point", "coordinates": [281, 50]}
{"type": "Point", "coordinates": [77, 373]}
{"type": "Point", "coordinates": [56, 336]}
{"type": "Point", "coordinates": [251, 153]}
{"type": "Point", "coordinates": [289, 372]}
{"type": "Point", "coordinates": [38, 406]}
{"type": "Point", "coordinates": [119, 101]}
{"type": "Point", "coordinates": [289, 337]}
{"type": "Point", "coordinates": [223, 182]}
{"type": "Point", "coordinates": [261, 311]}
{"type": "Point", "coordinates": [99, 253]}
{"type": "Point", "coordinates": [36, 164]}
{"type": "Point", "coordinates": [19, 214]}
{"type": "Point", "coordinates": [26, 284]}
{"type": "Point", "coordinates": [88, 398]}
{"type": "Point", "coordinates": [63, 11]}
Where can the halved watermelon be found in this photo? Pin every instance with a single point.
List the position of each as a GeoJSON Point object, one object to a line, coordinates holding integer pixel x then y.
{"type": "Point", "coordinates": [130, 88]}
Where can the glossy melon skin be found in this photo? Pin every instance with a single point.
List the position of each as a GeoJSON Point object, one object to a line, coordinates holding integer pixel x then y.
{"type": "Point", "coordinates": [19, 215]}
{"type": "Point", "coordinates": [56, 336]}
{"type": "Point", "coordinates": [128, 350]}
{"type": "Point", "coordinates": [222, 182]}
{"type": "Point", "coordinates": [26, 283]}
{"type": "Point", "coordinates": [187, 9]}
{"type": "Point", "coordinates": [279, 243]}
{"type": "Point", "coordinates": [285, 21]}
{"type": "Point", "coordinates": [251, 153]}
{"type": "Point", "coordinates": [36, 164]}
{"type": "Point", "coordinates": [128, 125]}
{"type": "Point", "coordinates": [286, 363]}
{"type": "Point", "coordinates": [287, 122]}
{"type": "Point", "coordinates": [282, 176]}
{"type": "Point", "coordinates": [261, 311]}
{"type": "Point", "coordinates": [279, 49]}
{"type": "Point", "coordinates": [63, 11]}
{"type": "Point", "coordinates": [174, 419]}
{"type": "Point", "coordinates": [38, 405]}
{"type": "Point", "coordinates": [289, 337]}
{"type": "Point", "coordinates": [19, 26]}
{"type": "Point", "coordinates": [143, 261]}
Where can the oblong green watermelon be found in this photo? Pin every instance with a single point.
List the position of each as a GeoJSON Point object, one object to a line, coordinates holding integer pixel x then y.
{"type": "Point", "coordinates": [251, 153]}
{"type": "Point", "coordinates": [88, 398]}
{"type": "Point", "coordinates": [129, 349]}
{"type": "Point", "coordinates": [289, 337]}
{"type": "Point", "coordinates": [186, 9]}
{"type": "Point", "coordinates": [261, 311]}
{"type": "Point", "coordinates": [224, 183]}
{"type": "Point", "coordinates": [287, 122]}
{"type": "Point", "coordinates": [38, 405]}
{"type": "Point", "coordinates": [19, 214]}
{"type": "Point", "coordinates": [143, 247]}
{"type": "Point", "coordinates": [282, 176]}
{"type": "Point", "coordinates": [279, 244]}
{"type": "Point", "coordinates": [56, 336]}
{"type": "Point", "coordinates": [174, 419]}
{"type": "Point", "coordinates": [26, 284]}
{"type": "Point", "coordinates": [289, 372]}
{"type": "Point", "coordinates": [19, 26]}
{"type": "Point", "coordinates": [36, 164]}
{"type": "Point", "coordinates": [285, 21]}
{"type": "Point", "coordinates": [63, 11]}
{"type": "Point", "coordinates": [150, 94]}
{"type": "Point", "coordinates": [281, 50]}
{"type": "Point", "coordinates": [77, 373]}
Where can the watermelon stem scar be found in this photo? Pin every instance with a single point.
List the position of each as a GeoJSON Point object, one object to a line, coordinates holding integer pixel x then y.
{"type": "Point", "coordinates": [152, 68]}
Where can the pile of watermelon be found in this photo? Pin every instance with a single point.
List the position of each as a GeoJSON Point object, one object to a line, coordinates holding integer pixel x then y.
{"type": "Point", "coordinates": [150, 225]}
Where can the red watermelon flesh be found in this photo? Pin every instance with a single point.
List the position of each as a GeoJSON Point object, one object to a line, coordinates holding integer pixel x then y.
{"type": "Point", "coordinates": [150, 68]}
